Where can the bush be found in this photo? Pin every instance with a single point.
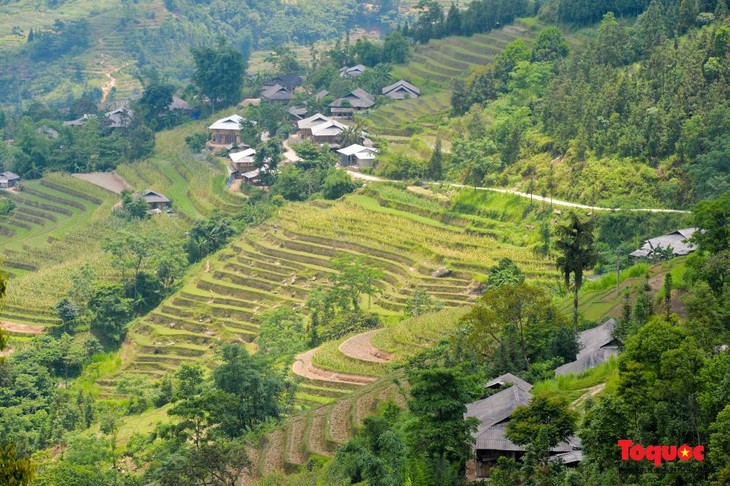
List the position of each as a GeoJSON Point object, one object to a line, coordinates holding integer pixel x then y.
{"type": "Point", "coordinates": [337, 184]}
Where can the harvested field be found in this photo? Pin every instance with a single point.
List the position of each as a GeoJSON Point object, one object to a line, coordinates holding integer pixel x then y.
{"type": "Point", "coordinates": [106, 180]}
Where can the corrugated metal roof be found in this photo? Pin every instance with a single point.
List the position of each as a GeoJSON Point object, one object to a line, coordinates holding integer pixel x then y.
{"type": "Point", "coordinates": [401, 84]}
{"type": "Point", "coordinates": [595, 346]}
{"type": "Point", "coordinates": [232, 122]}
{"type": "Point", "coordinates": [677, 241]}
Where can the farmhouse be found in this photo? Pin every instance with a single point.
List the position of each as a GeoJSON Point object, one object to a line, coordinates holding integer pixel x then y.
{"type": "Point", "coordinates": [241, 162]}
{"type": "Point", "coordinates": [491, 442]}
{"type": "Point", "coordinates": [156, 200]}
{"type": "Point", "coordinates": [179, 104]}
{"type": "Point", "coordinates": [401, 90]}
{"type": "Point", "coordinates": [9, 179]}
{"type": "Point", "coordinates": [678, 242]}
{"type": "Point", "coordinates": [119, 118]}
{"type": "Point", "coordinates": [507, 380]}
{"type": "Point", "coordinates": [226, 131]}
{"type": "Point", "coordinates": [352, 72]}
{"type": "Point", "coordinates": [357, 100]}
{"type": "Point", "coordinates": [329, 132]}
{"type": "Point", "coordinates": [79, 122]}
{"type": "Point", "coordinates": [276, 93]}
{"type": "Point", "coordinates": [357, 155]}
{"type": "Point", "coordinates": [298, 112]}
{"type": "Point", "coordinates": [290, 81]}
{"type": "Point", "coordinates": [596, 346]}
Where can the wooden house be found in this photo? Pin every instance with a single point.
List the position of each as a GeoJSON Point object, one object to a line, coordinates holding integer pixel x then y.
{"type": "Point", "coordinates": [679, 242]}
{"type": "Point", "coordinates": [356, 100]}
{"type": "Point", "coordinates": [305, 126]}
{"type": "Point", "coordinates": [277, 93]}
{"type": "Point", "coordinates": [401, 90]}
{"type": "Point", "coordinates": [329, 132]}
{"type": "Point", "coordinates": [120, 118]}
{"type": "Point", "coordinates": [290, 81]}
{"type": "Point", "coordinates": [156, 200]}
{"type": "Point", "coordinates": [226, 131]}
{"type": "Point", "coordinates": [490, 440]}
{"type": "Point", "coordinates": [357, 155]}
{"type": "Point", "coordinates": [241, 162]}
{"type": "Point", "coordinates": [9, 179]}
{"type": "Point", "coordinates": [180, 105]}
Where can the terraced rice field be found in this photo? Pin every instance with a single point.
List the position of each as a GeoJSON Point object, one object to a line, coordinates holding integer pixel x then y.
{"type": "Point", "coordinates": [406, 235]}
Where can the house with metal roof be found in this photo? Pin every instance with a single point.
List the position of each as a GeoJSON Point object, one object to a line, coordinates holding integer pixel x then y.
{"type": "Point", "coordinates": [357, 155]}
{"type": "Point", "coordinates": [353, 72]}
{"type": "Point", "coordinates": [507, 380]}
{"type": "Point", "coordinates": [401, 90]}
{"type": "Point", "coordinates": [9, 179]}
{"type": "Point", "coordinates": [241, 162]}
{"type": "Point", "coordinates": [490, 440]}
{"type": "Point", "coordinates": [679, 243]}
{"type": "Point", "coordinates": [226, 131]}
{"type": "Point", "coordinates": [596, 346]}
{"type": "Point", "coordinates": [120, 118]}
{"type": "Point", "coordinates": [290, 81]}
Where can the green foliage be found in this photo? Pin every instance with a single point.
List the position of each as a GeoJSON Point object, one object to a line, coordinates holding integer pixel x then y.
{"type": "Point", "coordinates": [14, 470]}
{"type": "Point", "coordinates": [208, 236]}
{"type": "Point", "coordinates": [337, 184]}
{"type": "Point", "coordinates": [219, 74]}
{"type": "Point", "coordinates": [506, 272]}
{"type": "Point", "coordinates": [110, 312]}
{"type": "Point", "coordinates": [281, 335]}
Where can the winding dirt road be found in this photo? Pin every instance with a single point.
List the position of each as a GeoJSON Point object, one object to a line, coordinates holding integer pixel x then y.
{"type": "Point", "coordinates": [361, 348]}
{"type": "Point", "coordinates": [303, 367]}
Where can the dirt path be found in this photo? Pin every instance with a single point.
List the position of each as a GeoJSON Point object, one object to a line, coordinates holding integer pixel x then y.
{"type": "Point", "coordinates": [16, 328]}
{"type": "Point", "coordinates": [303, 367]}
{"type": "Point", "coordinates": [590, 393]}
{"type": "Point", "coordinates": [556, 202]}
{"type": "Point", "coordinates": [110, 181]}
{"type": "Point", "coordinates": [359, 347]}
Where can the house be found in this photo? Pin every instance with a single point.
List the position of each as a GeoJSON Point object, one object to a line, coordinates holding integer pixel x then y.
{"type": "Point", "coordinates": [305, 126]}
{"type": "Point", "coordinates": [226, 131]}
{"type": "Point", "coordinates": [298, 112]}
{"type": "Point", "coordinates": [491, 442]}
{"type": "Point", "coordinates": [321, 95]}
{"type": "Point", "coordinates": [329, 132]}
{"type": "Point", "coordinates": [241, 162]}
{"type": "Point", "coordinates": [156, 200]}
{"type": "Point", "coordinates": [119, 118]}
{"type": "Point", "coordinates": [507, 380]}
{"type": "Point", "coordinates": [677, 241]}
{"type": "Point", "coordinates": [356, 100]}
{"type": "Point", "coordinates": [596, 345]}
{"type": "Point", "coordinates": [290, 81]}
{"type": "Point", "coordinates": [179, 104]}
{"type": "Point", "coordinates": [401, 90]}
{"type": "Point", "coordinates": [352, 72]}
{"type": "Point", "coordinates": [357, 155]}
{"type": "Point", "coordinates": [79, 122]}
{"type": "Point", "coordinates": [9, 179]}
{"type": "Point", "coordinates": [276, 93]}
{"type": "Point", "coordinates": [252, 178]}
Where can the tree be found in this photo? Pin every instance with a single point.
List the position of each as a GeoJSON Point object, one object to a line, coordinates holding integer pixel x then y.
{"type": "Point", "coordinates": [395, 48]}
{"type": "Point", "coordinates": [267, 158]}
{"type": "Point", "coordinates": [420, 302]}
{"type": "Point", "coordinates": [356, 275]}
{"type": "Point", "coordinates": [439, 430]}
{"type": "Point", "coordinates": [208, 236]}
{"type": "Point", "coordinates": [156, 98]}
{"type": "Point", "coordinates": [110, 312]}
{"type": "Point", "coordinates": [219, 74]}
{"type": "Point", "coordinates": [549, 45]}
{"type": "Point", "coordinates": [281, 334]}
{"type": "Point", "coordinates": [575, 242]}
{"type": "Point", "coordinates": [506, 272]}
{"type": "Point", "coordinates": [435, 164]}
{"type": "Point", "coordinates": [718, 451]}
{"type": "Point", "coordinates": [68, 312]}
{"type": "Point", "coordinates": [337, 184]}
{"type": "Point", "coordinates": [247, 392]}
{"type": "Point", "coordinates": [14, 470]}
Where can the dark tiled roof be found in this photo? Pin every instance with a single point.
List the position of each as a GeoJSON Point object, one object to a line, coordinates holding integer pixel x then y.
{"type": "Point", "coordinates": [508, 379]}
{"type": "Point", "coordinates": [402, 83]}
{"type": "Point", "coordinates": [154, 197]}
{"type": "Point", "coordinates": [358, 98]}
{"type": "Point", "coordinates": [596, 346]}
{"type": "Point", "coordinates": [276, 93]}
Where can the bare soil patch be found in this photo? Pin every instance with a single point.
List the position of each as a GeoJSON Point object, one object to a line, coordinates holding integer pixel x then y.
{"type": "Point", "coordinates": [106, 180]}
{"type": "Point", "coordinates": [360, 347]}
{"type": "Point", "coordinates": [16, 328]}
{"type": "Point", "coordinates": [303, 367]}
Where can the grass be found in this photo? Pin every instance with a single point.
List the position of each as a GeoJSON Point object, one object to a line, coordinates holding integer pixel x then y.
{"type": "Point", "coordinates": [574, 386]}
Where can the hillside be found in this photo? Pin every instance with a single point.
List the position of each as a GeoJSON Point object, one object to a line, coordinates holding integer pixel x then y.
{"type": "Point", "coordinates": [407, 235]}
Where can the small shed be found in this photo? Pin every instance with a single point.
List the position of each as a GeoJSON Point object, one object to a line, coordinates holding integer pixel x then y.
{"type": "Point", "coordinates": [401, 90]}
{"type": "Point", "coordinates": [9, 179]}
{"type": "Point", "coordinates": [156, 200]}
{"type": "Point", "coordinates": [120, 118]}
{"type": "Point", "coordinates": [179, 104]}
{"type": "Point", "coordinates": [357, 155]}
{"type": "Point", "coordinates": [241, 162]}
